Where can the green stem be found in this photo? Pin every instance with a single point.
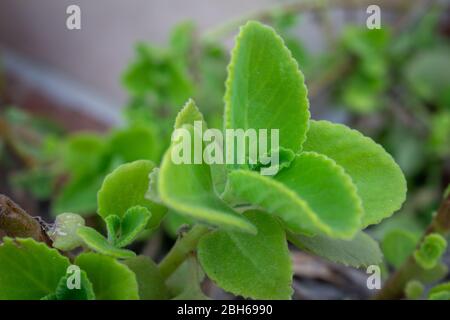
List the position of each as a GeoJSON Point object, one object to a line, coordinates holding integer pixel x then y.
{"type": "Point", "coordinates": [395, 285]}
{"type": "Point", "coordinates": [181, 250]}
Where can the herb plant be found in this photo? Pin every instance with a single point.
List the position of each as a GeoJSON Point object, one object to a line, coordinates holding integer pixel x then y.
{"type": "Point", "coordinates": [333, 183]}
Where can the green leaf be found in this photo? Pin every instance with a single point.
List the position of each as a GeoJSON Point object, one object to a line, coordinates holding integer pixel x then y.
{"type": "Point", "coordinates": [151, 283]}
{"type": "Point", "coordinates": [85, 292]}
{"type": "Point", "coordinates": [265, 89]}
{"type": "Point", "coordinates": [440, 292]}
{"type": "Point", "coordinates": [135, 143]}
{"type": "Point", "coordinates": [78, 195]}
{"type": "Point", "coordinates": [428, 74]}
{"type": "Point", "coordinates": [256, 266]}
{"type": "Point", "coordinates": [313, 195]}
{"type": "Point", "coordinates": [64, 233]}
{"type": "Point", "coordinates": [398, 245]}
{"type": "Point", "coordinates": [360, 251]}
{"type": "Point", "coordinates": [188, 189]}
{"type": "Point", "coordinates": [125, 187]}
{"type": "Point", "coordinates": [133, 222]}
{"type": "Point", "coordinates": [430, 251]}
{"type": "Point", "coordinates": [29, 270]}
{"type": "Point", "coordinates": [414, 290]}
{"type": "Point", "coordinates": [189, 114]}
{"type": "Point", "coordinates": [97, 242]}
{"type": "Point", "coordinates": [379, 180]}
{"type": "Point", "coordinates": [84, 153]}
{"type": "Point", "coordinates": [185, 282]}
{"type": "Point", "coordinates": [113, 227]}
{"type": "Point", "coordinates": [111, 279]}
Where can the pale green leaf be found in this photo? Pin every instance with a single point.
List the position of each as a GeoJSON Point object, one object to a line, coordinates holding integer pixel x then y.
{"type": "Point", "coordinates": [256, 266]}
{"type": "Point", "coordinates": [94, 240]}
{"type": "Point", "coordinates": [188, 189]}
{"type": "Point", "coordinates": [133, 222]}
{"type": "Point", "coordinates": [111, 279]}
{"type": "Point", "coordinates": [125, 187]}
{"type": "Point", "coordinates": [265, 89]}
{"type": "Point", "coordinates": [29, 270]}
{"type": "Point", "coordinates": [360, 251]}
{"type": "Point", "coordinates": [430, 251]}
{"type": "Point", "coordinates": [85, 292]}
{"type": "Point", "coordinates": [379, 180]}
{"type": "Point", "coordinates": [151, 283]}
{"type": "Point", "coordinates": [398, 245]}
{"type": "Point", "coordinates": [440, 292]}
{"type": "Point", "coordinates": [185, 282]}
{"type": "Point", "coordinates": [189, 114]}
{"type": "Point", "coordinates": [312, 196]}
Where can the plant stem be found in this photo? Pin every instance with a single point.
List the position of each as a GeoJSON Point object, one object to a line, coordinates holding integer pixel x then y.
{"type": "Point", "coordinates": [181, 250]}
{"type": "Point", "coordinates": [394, 286]}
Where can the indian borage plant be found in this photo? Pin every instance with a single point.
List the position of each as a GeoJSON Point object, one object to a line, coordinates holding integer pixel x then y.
{"type": "Point", "coordinates": [333, 183]}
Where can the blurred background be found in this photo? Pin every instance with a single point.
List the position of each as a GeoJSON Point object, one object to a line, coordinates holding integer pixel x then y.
{"type": "Point", "coordinates": [74, 104]}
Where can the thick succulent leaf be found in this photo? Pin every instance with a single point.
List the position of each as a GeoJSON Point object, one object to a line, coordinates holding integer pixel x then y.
{"type": "Point", "coordinates": [379, 180]}
{"type": "Point", "coordinates": [95, 241]}
{"type": "Point", "coordinates": [185, 282]}
{"type": "Point", "coordinates": [113, 227]}
{"type": "Point", "coordinates": [265, 89]}
{"type": "Point", "coordinates": [188, 189]}
{"type": "Point", "coordinates": [398, 245]}
{"type": "Point", "coordinates": [312, 196]}
{"type": "Point", "coordinates": [256, 266]}
{"type": "Point", "coordinates": [133, 222]}
{"type": "Point", "coordinates": [151, 283]}
{"type": "Point", "coordinates": [111, 279]}
{"type": "Point", "coordinates": [125, 187]}
{"type": "Point", "coordinates": [29, 270]}
{"type": "Point", "coordinates": [360, 251]}
{"type": "Point", "coordinates": [85, 292]}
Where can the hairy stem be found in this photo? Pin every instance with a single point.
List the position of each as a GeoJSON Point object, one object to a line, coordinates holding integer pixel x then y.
{"type": "Point", "coordinates": [181, 250]}
{"type": "Point", "coordinates": [394, 286]}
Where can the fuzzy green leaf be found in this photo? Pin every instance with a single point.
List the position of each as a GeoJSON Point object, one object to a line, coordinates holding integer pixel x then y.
{"type": "Point", "coordinates": [379, 180]}
{"type": "Point", "coordinates": [188, 189]}
{"type": "Point", "coordinates": [125, 187]}
{"type": "Point", "coordinates": [85, 292]}
{"type": "Point", "coordinates": [265, 89]}
{"type": "Point", "coordinates": [184, 283]}
{"type": "Point", "coordinates": [133, 222]}
{"type": "Point", "coordinates": [189, 114]}
{"type": "Point", "coordinates": [29, 270]}
{"type": "Point", "coordinates": [97, 242]}
{"type": "Point", "coordinates": [111, 279]}
{"type": "Point", "coordinates": [430, 251]}
{"type": "Point", "coordinates": [151, 283]}
{"type": "Point", "coordinates": [440, 292]}
{"type": "Point", "coordinates": [256, 266]}
{"type": "Point", "coordinates": [398, 245]}
{"type": "Point", "coordinates": [362, 250]}
{"type": "Point", "coordinates": [313, 195]}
